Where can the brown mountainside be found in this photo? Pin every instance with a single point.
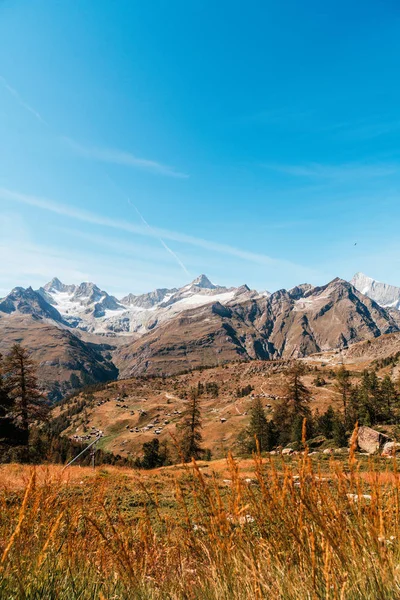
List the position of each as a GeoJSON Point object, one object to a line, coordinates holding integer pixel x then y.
{"type": "Point", "coordinates": [135, 410]}
{"type": "Point", "coordinates": [287, 324]}
{"type": "Point", "coordinates": [64, 361]}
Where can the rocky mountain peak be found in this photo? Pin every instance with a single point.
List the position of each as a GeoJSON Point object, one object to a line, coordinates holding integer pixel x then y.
{"type": "Point", "coordinates": [54, 284]}
{"type": "Point", "coordinates": [86, 288]}
{"type": "Point", "coordinates": [387, 296]}
{"type": "Point", "coordinates": [202, 281]}
{"type": "Point", "coordinates": [27, 301]}
{"type": "Point", "coordinates": [299, 291]}
{"type": "Point", "coordinates": [242, 289]}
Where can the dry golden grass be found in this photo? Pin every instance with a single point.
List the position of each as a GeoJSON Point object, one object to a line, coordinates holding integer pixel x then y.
{"type": "Point", "coordinates": [275, 528]}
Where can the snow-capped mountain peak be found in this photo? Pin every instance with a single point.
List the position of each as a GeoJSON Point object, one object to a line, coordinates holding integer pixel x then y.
{"type": "Point", "coordinates": [202, 281]}
{"type": "Point", "coordinates": [384, 294]}
{"type": "Point", "coordinates": [55, 285]}
{"type": "Point", "coordinates": [87, 307]}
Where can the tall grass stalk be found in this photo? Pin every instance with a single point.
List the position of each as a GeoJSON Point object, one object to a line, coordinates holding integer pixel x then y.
{"type": "Point", "coordinates": [295, 529]}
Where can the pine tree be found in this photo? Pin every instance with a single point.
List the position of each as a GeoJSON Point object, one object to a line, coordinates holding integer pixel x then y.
{"type": "Point", "coordinates": [353, 408]}
{"type": "Point", "coordinates": [191, 437]}
{"type": "Point", "coordinates": [294, 408]}
{"type": "Point", "coordinates": [28, 402]}
{"type": "Point", "coordinates": [343, 386]}
{"type": "Point", "coordinates": [7, 429]}
{"type": "Point", "coordinates": [260, 429]}
{"type": "Point", "coordinates": [339, 431]}
{"type": "Point", "coordinates": [390, 397]}
{"type": "Point", "coordinates": [151, 455]}
{"type": "Point", "coordinates": [325, 422]}
{"type": "Point", "coordinates": [370, 400]}
{"type": "Point", "coordinates": [297, 394]}
{"type": "Point", "coordinates": [283, 420]}
{"type": "Point", "coordinates": [5, 400]}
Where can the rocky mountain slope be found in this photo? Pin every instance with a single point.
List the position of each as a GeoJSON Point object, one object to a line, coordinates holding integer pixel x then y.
{"type": "Point", "coordinates": [64, 361]}
{"type": "Point", "coordinates": [286, 324]}
{"type": "Point", "coordinates": [89, 335]}
{"type": "Point", "coordinates": [385, 295]}
{"type": "Point", "coordinates": [88, 308]}
{"type": "Point", "coordinates": [28, 302]}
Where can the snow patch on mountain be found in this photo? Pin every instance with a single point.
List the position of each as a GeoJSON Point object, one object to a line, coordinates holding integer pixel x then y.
{"type": "Point", "coordinates": [89, 308]}
{"type": "Point", "coordinates": [387, 296]}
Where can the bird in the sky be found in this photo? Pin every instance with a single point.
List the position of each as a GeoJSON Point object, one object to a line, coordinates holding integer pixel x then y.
{"type": "Point", "coordinates": [355, 244]}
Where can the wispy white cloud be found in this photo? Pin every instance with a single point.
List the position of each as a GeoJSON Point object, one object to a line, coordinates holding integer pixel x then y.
{"type": "Point", "coordinates": [340, 172]}
{"type": "Point", "coordinates": [95, 219]}
{"type": "Point", "coordinates": [34, 263]}
{"type": "Point", "coordinates": [21, 101]}
{"type": "Point", "coordinates": [115, 156]}
{"type": "Point", "coordinates": [117, 245]}
{"type": "Point", "coordinates": [108, 155]}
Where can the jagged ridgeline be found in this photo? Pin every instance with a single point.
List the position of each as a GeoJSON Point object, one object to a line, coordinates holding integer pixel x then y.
{"type": "Point", "coordinates": [80, 335]}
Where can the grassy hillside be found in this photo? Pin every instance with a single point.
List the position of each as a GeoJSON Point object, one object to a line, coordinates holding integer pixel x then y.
{"type": "Point", "coordinates": [124, 410]}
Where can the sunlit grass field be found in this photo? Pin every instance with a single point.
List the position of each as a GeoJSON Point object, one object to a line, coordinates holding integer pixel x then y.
{"type": "Point", "coordinates": [260, 528]}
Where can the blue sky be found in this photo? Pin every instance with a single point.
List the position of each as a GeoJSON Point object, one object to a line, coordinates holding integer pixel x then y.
{"type": "Point", "coordinates": [143, 143]}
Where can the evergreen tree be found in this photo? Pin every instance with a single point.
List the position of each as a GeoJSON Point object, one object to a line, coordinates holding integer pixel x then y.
{"type": "Point", "coordinates": [319, 381]}
{"type": "Point", "coordinates": [353, 409]}
{"type": "Point", "coordinates": [369, 399]}
{"type": "Point", "coordinates": [343, 386]}
{"type": "Point", "coordinates": [339, 431]}
{"type": "Point", "coordinates": [260, 428]}
{"type": "Point", "coordinates": [326, 421]}
{"type": "Point", "coordinates": [151, 455]}
{"type": "Point", "coordinates": [296, 432]}
{"type": "Point", "coordinates": [389, 398]}
{"type": "Point", "coordinates": [9, 433]}
{"type": "Point", "coordinates": [294, 408]}
{"type": "Point", "coordinates": [297, 394]}
{"type": "Point", "coordinates": [283, 420]}
{"type": "Point", "coordinates": [373, 401]}
{"type": "Point", "coordinates": [28, 402]}
{"type": "Point", "coordinates": [191, 437]}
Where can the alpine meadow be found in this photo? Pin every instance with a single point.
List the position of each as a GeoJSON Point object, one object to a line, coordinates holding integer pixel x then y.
{"type": "Point", "coordinates": [199, 300]}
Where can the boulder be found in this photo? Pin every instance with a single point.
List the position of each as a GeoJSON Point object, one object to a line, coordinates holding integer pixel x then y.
{"type": "Point", "coordinates": [370, 441]}
{"type": "Point", "coordinates": [287, 451]}
{"type": "Point", "coordinates": [391, 448]}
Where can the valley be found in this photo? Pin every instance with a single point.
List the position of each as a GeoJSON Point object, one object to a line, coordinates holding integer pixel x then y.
{"type": "Point", "coordinates": [133, 411]}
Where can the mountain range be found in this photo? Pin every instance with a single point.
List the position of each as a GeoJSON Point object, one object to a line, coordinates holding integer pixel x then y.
{"type": "Point", "coordinates": [88, 308]}
{"type": "Point", "coordinates": [80, 334]}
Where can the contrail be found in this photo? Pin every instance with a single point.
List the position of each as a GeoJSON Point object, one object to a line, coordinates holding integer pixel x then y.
{"type": "Point", "coordinates": [20, 101]}
{"type": "Point", "coordinates": [160, 239]}
{"type": "Point", "coordinates": [154, 233]}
